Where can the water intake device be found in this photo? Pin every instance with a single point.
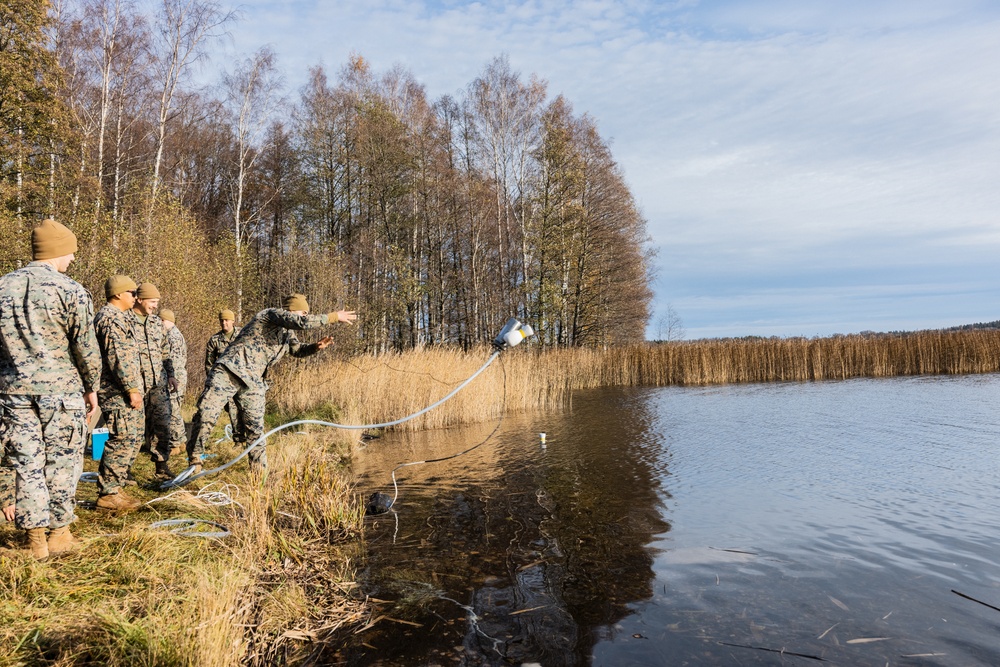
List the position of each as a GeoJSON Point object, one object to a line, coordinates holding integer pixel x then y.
{"type": "Point", "coordinates": [512, 334]}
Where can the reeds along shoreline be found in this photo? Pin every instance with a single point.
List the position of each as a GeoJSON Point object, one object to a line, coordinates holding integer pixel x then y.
{"type": "Point", "coordinates": [729, 361]}
{"type": "Point", "coordinates": [378, 388]}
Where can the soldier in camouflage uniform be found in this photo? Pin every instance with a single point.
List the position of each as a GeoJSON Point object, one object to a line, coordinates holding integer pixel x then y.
{"type": "Point", "coordinates": [217, 344]}
{"type": "Point", "coordinates": [178, 355]}
{"type": "Point", "coordinates": [157, 375]}
{"type": "Point", "coordinates": [240, 374]}
{"type": "Point", "coordinates": [49, 367]}
{"type": "Point", "coordinates": [121, 392]}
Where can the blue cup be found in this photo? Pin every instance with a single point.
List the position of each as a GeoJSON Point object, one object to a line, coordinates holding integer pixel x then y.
{"type": "Point", "coordinates": [97, 440]}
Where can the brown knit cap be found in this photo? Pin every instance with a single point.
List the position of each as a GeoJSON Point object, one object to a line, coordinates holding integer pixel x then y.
{"type": "Point", "coordinates": [148, 291]}
{"type": "Point", "coordinates": [227, 314]}
{"type": "Point", "coordinates": [168, 315]}
{"type": "Point", "coordinates": [295, 302]}
{"type": "Point", "coordinates": [52, 239]}
{"type": "Point", "coordinates": [118, 284]}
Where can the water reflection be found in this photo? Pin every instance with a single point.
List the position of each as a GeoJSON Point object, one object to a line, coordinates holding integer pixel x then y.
{"type": "Point", "coordinates": [516, 553]}
{"type": "Point", "coordinates": [751, 525]}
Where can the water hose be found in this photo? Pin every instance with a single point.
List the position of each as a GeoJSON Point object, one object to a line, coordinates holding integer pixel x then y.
{"type": "Point", "coordinates": [395, 486]}
{"type": "Point", "coordinates": [188, 475]}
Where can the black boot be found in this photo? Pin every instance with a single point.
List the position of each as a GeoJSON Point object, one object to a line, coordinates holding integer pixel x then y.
{"type": "Point", "coordinates": [163, 470]}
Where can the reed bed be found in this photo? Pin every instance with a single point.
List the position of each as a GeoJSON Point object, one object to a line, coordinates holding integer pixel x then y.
{"type": "Point", "coordinates": [374, 389]}
{"type": "Point", "coordinates": [276, 590]}
{"type": "Point", "coordinates": [370, 389]}
{"type": "Point", "coordinates": [802, 359]}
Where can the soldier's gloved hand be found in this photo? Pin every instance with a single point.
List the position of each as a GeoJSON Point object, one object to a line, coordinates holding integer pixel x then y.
{"type": "Point", "coordinates": [347, 316]}
{"type": "Point", "coordinates": [135, 399]}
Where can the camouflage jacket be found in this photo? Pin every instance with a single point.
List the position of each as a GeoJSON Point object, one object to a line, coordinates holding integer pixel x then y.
{"type": "Point", "coordinates": [47, 343]}
{"type": "Point", "coordinates": [217, 344]}
{"type": "Point", "coordinates": [117, 335]}
{"type": "Point", "coordinates": [154, 351]}
{"type": "Point", "coordinates": [178, 355]}
{"type": "Point", "coordinates": [265, 339]}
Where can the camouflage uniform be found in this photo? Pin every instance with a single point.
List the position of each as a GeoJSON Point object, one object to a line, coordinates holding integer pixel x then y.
{"type": "Point", "coordinates": [217, 344]}
{"type": "Point", "coordinates": [157, 367]}
{"type": "Point", "coordinates": [240, 375]}
{"type": "Point", "coordinates": [48, 359]}
{"type": "Point", "coordinates": [6, 482]}
{"type": "Point", "coordinates": [118, 338]}
{"type": "Point", "coordinates": [178, 355]}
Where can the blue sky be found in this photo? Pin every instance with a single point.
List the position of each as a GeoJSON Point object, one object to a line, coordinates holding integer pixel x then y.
{"type": "Point", "coordinates": [806, 168]}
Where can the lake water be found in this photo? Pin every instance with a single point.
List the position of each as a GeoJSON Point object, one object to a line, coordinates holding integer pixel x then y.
{"type": "Point", "coordinates": [782, 524]}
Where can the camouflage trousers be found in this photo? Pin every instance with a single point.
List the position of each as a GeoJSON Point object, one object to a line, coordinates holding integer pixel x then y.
{"type": "Point", "coordinates": [158, 414]}
{"type": "Point", "coordinates": [237, 421]}
{"type": "Point", "coordinates": [6, 482]}
{"type": "Point", "coordinates": [178, 436]}
{"type": "Point", "coordinates": [43, 438]}
{"type": "Point", "coordinates": [126, 427]}
{"type": "Point", "coordinates": [221, 387]}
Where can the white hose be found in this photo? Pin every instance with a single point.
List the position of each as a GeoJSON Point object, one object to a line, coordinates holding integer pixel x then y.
{"type": "Point", "coordinates": [183, 527]}
{"type": "Point", "coordinates": [188, 475]}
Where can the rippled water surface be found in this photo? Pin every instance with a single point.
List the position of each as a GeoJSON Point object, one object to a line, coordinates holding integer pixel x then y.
{"type": "Point", "coordinates": [781, 524]}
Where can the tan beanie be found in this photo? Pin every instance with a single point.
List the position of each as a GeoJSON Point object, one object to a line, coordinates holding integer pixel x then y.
{"type": "Point", "coordinates": [118, 284]}
{"type": "Point", "coordinates": [168, 315]}
{"type": "Point", "coordinates": [148, 291]}
{"type": "Point", "coordinates": [227, 315]}
{"type": "Point", "coordinates": [295, 302]}
{"type": "Point", "coordinates": [52, 239]}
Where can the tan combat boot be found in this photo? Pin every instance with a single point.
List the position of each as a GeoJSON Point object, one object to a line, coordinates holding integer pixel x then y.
{"type": "Point", "coordinates": [61, 540]}
{"type": "Point", "coordinates": [118, 502]}
{"type": "Point", "coordinates": [36, 543]}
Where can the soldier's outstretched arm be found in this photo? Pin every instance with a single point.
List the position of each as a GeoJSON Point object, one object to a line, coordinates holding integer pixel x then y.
{"type": "Point", "coordinates": [289, 320]}
{"type": "Point", "coordinates": [298, 349]}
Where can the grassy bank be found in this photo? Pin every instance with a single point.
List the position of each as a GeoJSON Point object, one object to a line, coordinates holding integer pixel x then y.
{"type": "Point", "coordinates": [280, 585]}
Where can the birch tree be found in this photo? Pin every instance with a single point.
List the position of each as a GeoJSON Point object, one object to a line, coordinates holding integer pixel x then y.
{"type": "Point", "coordinates": [253, 95]}
{"type": "Point", "coordinates": [184, 31]}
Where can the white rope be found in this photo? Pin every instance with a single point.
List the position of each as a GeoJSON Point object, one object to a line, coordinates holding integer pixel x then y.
{"type": "Point", "coordinates": [228, 435]}
{"type": "Point", "coordinates": [226, 496]}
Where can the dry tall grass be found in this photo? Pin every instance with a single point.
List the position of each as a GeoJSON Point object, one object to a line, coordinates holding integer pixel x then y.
{"type": "Point", "coordinates": [371, 389]}
{"type": "Point", "coordinates": [803, 359]}
{"type": "Point", "coordinates": [279, 585]}
{"type": "Point", "coordinates": [374, 389]}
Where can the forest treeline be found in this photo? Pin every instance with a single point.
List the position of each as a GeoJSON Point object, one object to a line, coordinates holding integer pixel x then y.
{"type": "Point", "coordinates": [436, 219]}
